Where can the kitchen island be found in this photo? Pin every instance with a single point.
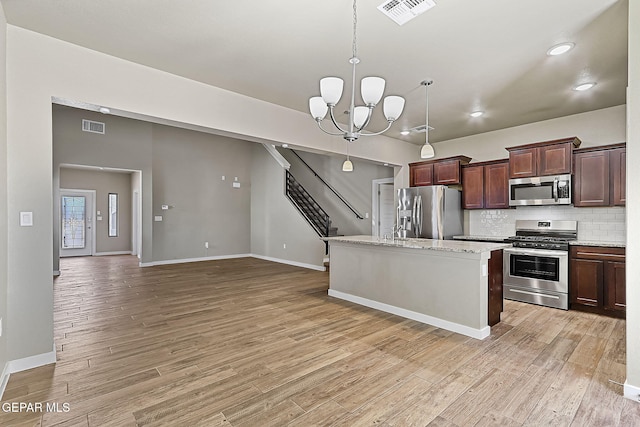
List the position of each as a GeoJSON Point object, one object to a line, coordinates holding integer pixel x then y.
{"type": "Point", "coordinates": [454, 285]}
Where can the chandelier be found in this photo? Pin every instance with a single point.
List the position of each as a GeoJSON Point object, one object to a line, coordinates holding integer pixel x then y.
{"type": "Point", "coordinates": [371, 89]}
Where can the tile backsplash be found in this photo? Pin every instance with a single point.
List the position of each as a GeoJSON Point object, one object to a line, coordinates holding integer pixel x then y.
{"type": "Point", "coordinates": [594, 224]}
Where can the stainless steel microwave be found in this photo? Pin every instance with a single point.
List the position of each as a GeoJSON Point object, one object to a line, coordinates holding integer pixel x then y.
{"type": "Point", "coordinates": [542, 190]}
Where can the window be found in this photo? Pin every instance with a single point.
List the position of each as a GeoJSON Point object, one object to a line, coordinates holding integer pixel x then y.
{"type": "Point", "coordinates": [113, 215]}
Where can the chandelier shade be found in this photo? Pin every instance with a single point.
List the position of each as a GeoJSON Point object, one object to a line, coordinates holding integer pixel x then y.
{"type": "Point", "coordinates": [392, 107]}
{"type": "Point", "coordinates": [331, 90]}
{"type": "Point", "coordinates": [372, 89]}
{"type": "Point", "coordinates": [318, 108]}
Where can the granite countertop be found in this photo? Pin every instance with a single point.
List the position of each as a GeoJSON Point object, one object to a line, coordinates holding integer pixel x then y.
{"type": "Point", "coordinates": [482, 238]}
{"type": "Point", "coordinates": [424, 244]}
{"type": "Point", "coordinates": [601, 244]}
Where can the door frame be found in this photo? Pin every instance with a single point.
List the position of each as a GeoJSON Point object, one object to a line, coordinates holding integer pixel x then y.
{"type": "Point", "coordinates": [88, 209]}
{"type": "Point", "coordinates": [375, 203]}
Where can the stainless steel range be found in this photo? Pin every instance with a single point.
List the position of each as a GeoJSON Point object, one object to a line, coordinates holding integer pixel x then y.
{"type": "Point", "coordinates": [536, 269]}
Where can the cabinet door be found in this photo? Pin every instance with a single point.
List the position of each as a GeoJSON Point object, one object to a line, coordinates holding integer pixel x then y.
{"type": "Point", "coordinates": [591, 180]}
{"type": "Point", "coordinates": [618, 164]}
{"type": "Point", "coordinates": [496, 186]}
{"type": "Point", "coordinates": [421, 175]}
{"type": "Point", "coordinates": [554, 159]}
{"type": "Point", "coordinates": [446, 173]}
{"type": "Point", "coordinates": [523, 163]}
{"type": "Point", "coordinates": [586, 282]}
{"type": "Point", "coordinates": [495, 287]}
{"type": "Point", "coordinates": [473, 187]}
{"type": "Point", "coordinates": [615, 282]}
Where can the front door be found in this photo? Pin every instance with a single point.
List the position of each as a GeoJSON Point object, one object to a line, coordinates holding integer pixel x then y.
{"type": "Point", "coordinates": [76, 232]}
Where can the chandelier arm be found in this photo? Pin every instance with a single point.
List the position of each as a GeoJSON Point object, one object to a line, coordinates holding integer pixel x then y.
{"type": "Point", "coordinates": [326, 131]}
{"type": "Point", "coordinates": [335, 123]}
{"type": "Point", "coordinates": [381, 132]}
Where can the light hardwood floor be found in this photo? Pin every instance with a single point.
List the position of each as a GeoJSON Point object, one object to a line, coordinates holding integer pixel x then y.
{"type": "Point", "coordinates": [247, 342]}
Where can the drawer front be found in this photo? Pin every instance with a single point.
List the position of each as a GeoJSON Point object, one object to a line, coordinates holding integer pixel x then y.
{"type": "Point", "coordinates": [598, 252]}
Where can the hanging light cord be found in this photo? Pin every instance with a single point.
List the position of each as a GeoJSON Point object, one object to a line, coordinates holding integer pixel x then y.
{"type": "Point", "coordinates": [426, 84]}
{"type": "Point", "coordinates": [355, 21]}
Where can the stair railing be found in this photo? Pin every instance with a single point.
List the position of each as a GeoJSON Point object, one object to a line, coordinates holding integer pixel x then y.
{"type": "Point", "coordinates": [330, 187]}
{"type": "Point", "coordinates": [308, 207]}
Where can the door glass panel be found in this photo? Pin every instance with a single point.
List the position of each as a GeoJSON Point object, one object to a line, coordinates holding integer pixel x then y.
{"type": "Point", "coordinates": [535, 267]}
{"type": "Point", "coordinates": [113, 215]}
{"type": "Point", "coordinates": [73, 222]}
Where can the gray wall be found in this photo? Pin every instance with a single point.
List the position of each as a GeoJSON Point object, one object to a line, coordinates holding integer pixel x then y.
{"type": "Point", "coordinates": [3, 187]}
{"type": "Point", "coordinates": [354, 186]}
{"type": "Point", "coordinates": [104, 183]}
{"type": "Point", "coordinates": [127, 144]}
{"type": "Point", "coordinates": [187, 175]}
{"type": "Point", "coordinates": [275, 222]}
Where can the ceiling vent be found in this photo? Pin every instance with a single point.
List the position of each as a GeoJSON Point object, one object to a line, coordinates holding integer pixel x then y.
{"type": "Point", "coordinates": [402, 11]}
{"type": "Point", "coordinates": [421, 129]}
{"type": "Point", "coordinates": [91, 126]}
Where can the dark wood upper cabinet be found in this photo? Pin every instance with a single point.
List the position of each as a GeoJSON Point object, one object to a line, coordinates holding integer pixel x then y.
{"type": "Point", "coordinates": [542, 158]}
{"type": "Point", "coordinates": [496, 185]}
{"type": "Point", "coordinates": [600, 176]}
{"type": "Point", "coordinates": [421, 175]}
{"type": "Point", "coordinates": [485, 185]}
{"type": "Point", "coordinates": [437, 172]}
{"type": "Point", "coordinates": [618, 172]}
{"type": "Point", "coordinates": [473, 187]}
{"type": "Point", "coordinates": [591, 180]}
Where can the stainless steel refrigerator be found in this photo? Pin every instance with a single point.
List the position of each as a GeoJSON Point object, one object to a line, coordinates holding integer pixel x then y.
{"type": "Point", "coordinates": [431, 212]}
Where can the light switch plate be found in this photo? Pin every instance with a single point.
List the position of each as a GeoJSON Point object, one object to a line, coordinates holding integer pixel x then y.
{"type": "Point", "coordinates": [158, 218]}
{"type": "Point", "coordinates": [165, 207]}
{"type": "Point", "coordinates": [26, 219]}
{"type": "Point", "coordinates": [98, 218]}
{"type": "Point", "coordinates": [236, 185]}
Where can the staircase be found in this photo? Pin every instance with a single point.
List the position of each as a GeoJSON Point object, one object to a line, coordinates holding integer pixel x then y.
{"type": "Point", "coordinates": [317, 218]}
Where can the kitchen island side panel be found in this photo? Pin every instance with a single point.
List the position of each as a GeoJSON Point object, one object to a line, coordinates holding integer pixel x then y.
{"type": "Point", "coordinates": [444, 285]}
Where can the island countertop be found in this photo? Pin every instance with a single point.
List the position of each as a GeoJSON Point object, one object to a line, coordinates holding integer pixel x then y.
{"type": "Point", "coordinates": [422, 244]}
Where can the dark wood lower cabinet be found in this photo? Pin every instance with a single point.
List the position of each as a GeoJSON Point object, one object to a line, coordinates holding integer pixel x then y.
{"type": "Point", "coordinates": [495, 287]}
{"type": "Point", "coordinates": [597, 280]}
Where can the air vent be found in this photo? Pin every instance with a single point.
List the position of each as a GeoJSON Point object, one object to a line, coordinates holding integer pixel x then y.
{"type": "Point", "coordinates": [402, 11]}
{"type": "Point", "coordinates": [420, 129]}
{"type": "Point", "coordinates": [91, 126]}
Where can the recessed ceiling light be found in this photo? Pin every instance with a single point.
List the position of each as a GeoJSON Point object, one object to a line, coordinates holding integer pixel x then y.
{"type": "Point", "coordinates": [559, 49]}
{"type": "Point", "coordinates": [405, 132]}
{"type": "Point", "coordinates": [476, 113]}
{"type": "Point", "coordinates": [285, 145]}
{"type": "Point", "coordinates": [584, 86]}
{"type": "Point", "coordinates": [386, 164]}
{"type": "Point", "coordinates": [104, 110]}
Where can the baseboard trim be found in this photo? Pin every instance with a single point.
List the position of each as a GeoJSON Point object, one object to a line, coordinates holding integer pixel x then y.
{"type": "Point", "coordinates": [631, 392]}
{"type": "Point", "coordinates": [185, 260]}
{"type": "Point", "coordinates": [113, 253]}
{"type": "Point", "coordinates": [289, 262]}
{"type": "Point", "coordinates": [19, 365]}
{"type": "Point", "coordinates": [479, 334]}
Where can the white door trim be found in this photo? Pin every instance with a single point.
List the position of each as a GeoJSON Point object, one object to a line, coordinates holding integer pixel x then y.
{"type": "Point", "coordinates": [90, 210]}
{"type": "Point", "coordinates": [375, 203]}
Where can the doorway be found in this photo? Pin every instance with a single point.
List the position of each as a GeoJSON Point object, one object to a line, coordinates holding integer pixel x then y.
{"type": "Point", "coordinates": [383, 213]}
{"type": "Point", "coordinates": [77, 233]}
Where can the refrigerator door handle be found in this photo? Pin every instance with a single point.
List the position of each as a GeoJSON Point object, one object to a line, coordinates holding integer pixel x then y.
{"type": "Point", "coordinates": [417, 216]}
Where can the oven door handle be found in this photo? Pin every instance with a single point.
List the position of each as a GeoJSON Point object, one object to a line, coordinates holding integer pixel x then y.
{"type": "Point", "coordinates": [536, 252]}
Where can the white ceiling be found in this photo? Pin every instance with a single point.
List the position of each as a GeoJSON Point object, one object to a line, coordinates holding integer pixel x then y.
{"type": "Point", "coordinates": [488, 55]}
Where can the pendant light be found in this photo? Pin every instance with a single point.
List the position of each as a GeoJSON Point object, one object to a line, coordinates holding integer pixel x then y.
{"type": "Point", "coordinates": [427, 152]}
{"type": "Point", "coordinates": [347, 166]}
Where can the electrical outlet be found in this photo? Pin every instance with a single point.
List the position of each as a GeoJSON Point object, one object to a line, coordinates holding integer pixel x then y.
{"type": "Point", "coordinates": [206, 245]}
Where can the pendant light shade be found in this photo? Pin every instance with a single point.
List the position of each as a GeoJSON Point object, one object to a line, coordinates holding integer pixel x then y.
{"type": "Point", "coordinates": [426, 152]}
{"type": "Point", "coordinates": [347, 166]}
